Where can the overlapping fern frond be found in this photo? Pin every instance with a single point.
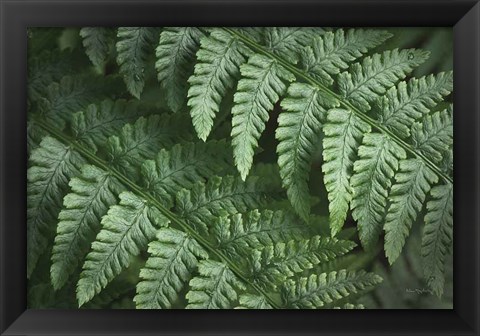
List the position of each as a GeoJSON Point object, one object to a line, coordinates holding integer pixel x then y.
{"type": "Point", "coordinates": [112, 182]}
{"type": "Point", "coordinates": [373, 122]}
{"type": "Point", "coordinates": [121, 204]}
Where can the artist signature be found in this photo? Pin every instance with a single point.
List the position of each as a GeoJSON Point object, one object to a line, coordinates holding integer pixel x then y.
{"type": "Point", "coordinates": [419, 290]}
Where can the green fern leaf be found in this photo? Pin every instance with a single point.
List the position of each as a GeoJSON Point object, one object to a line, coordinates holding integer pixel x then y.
{"type": "Point", "coordinates": [141, 172]}
{"type": "Point", "coordinates": [370, 183]}
{"type": "Point", "coordinates": [215, 288]}
{"type": "Point", "coordinates": [343, 133]}
{"type": "Point", "coordinates": [434, 136]}
{"type": "Point", "coordinates": [173, 257]}
{"type": "Point", "coordinates": [126, 230]}
{"type": "Point", "coordinates": [175, 55]}
{"type": "Point", "coordinates": [272, 265]}
{"type": "Point", "coordinates": [93, 192]}
{"type": "Point", "coordinates": [318, 290]}
{"type": "Point", "coordinates": [219, 196]}
{"type": "Point", "coordinates": [407, 102]}
{"type": "Point", "coordinates": [97, 42]}
{"type": "Point", "coordinates": [250, 301]}
{"type": "Point", "coordinates": [219, 58]}
{"type": "Point", "coordinates": [413, 182]}
{"type": "Point", "coordinates": [258, 91]}
{"type": "Point", "coordinates": [183, 166]}
{"type": "Point", "coordinates": [133, 47]}
{"type": "Point", "coordinates": [334, 51]}
{"type": "Point", "coordinates": [365, 81]}
{"type": "Point", "coordinates": [52, 165]}
{"type": "Point", "coordinates": [242, 232]}
{"type": "Point", "coordinates": [437, 236]}
{"type": "Point", "coordinates": [289, 41]}
{"type": "Point", "coordinates": [297, 133]}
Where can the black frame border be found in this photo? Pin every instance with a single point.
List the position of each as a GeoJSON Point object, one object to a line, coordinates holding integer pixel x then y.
{"type": "Point", "coordinates": [17, 15]}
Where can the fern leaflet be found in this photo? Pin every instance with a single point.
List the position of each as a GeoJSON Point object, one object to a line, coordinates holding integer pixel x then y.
{"type": "Point", "coordinates": [92, 194]}
{"type": "Point", "coordinates": [97, 42]}
{"type": "Point", "coordinates": [219, 58]}
{"type": "Point", "coordinates": [173, 258]}
{"type": "Point", "coordinates": [333, 51]}
{"type": "Point", "coordinates": [258, 91]}
{"type": "Point", "coordinates": [215, 288]}
{"type": "Point", "coordinates": [371, 181]}
{"type": "Point", "coordinates": [318, 290]}
{"type": "Point", "coordinates": [433, 137]}
{"type": "Point", "coordinates": [175, 55]}
{"type": "Point", "coordinates": [366, 81]}
{"type": "Point", "coordinates": [409, 101]}
{"type": "Point", "coordinates": [437, 237]}
{"type": "Point", "coordinates": [52, 165]}
{"type": "Point", "coordinates": [413, 182]}
{"type": "Point", "coordinates": [133, 47]}
{"type": "Point", "coordinates": [297, 134]}
{"type": "Point", "coordinates": [343, 133]}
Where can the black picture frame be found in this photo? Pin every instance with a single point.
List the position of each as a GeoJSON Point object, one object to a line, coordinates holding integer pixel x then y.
{"type": "Point", "coordinates": [17, 15]}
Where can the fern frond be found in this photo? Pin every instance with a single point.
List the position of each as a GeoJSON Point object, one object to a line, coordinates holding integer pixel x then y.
{"type": "Point", "coordinates": [215, 288]}
{"type": "Point", "coordinates": [377, 164]}
{"type": "Point", "coordinates": [93, 192]}
{"type": "Point", "coordinates": [434, 136]}
{"type": "Point", "coordinates": [173, 257]}
{"type": "Point", "coordinates": [142, 191]}
{"type": "Point", "coordinates": [133, 48]}
{"type": "Point", "coordinates": [255, 229]}
{"type": "Point", "coordinates": [318, 290]}
{"type": "Point", "coordinates": [297, 133]}
{"type": "Point", "coordinates": [219, 196]}
{"type": "Point", "coordinates": [250, 301]}
{"type": "Point", "coordinates": [218, 62]}
{"type": "Point", "coordinates": [126, 230]}
{"type": "Point", "coordinates": [343, 133]}
{"type": "Point", "coordinates": [273, 264]}
{"type": "Point", "coordinates": [52, 165]}
{"type": "Point", "coordinates": [437, 236]}
{"type": "Point", "coordinates": [175, 55]}
{"type": "Point", "coordinates": [97, 42]}
{"type": "Point", "coordinates": [413, 182]}
{"type": "Point", "coordinates": [258, 91]}
{"type": "Point", "coordinates": [409, 101]}
{"type": "Point", "coordinates": [289, 41]}
{"type": "Point", "coordinates": [334, 51]}
{"type": "Point", "coordinates": [365, 81]}
{"type": "Point", "coordinates": [182, 166]}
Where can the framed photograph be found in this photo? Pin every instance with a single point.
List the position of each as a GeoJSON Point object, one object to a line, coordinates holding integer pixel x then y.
{"type": "Point", "coordinates": [238, 167]}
